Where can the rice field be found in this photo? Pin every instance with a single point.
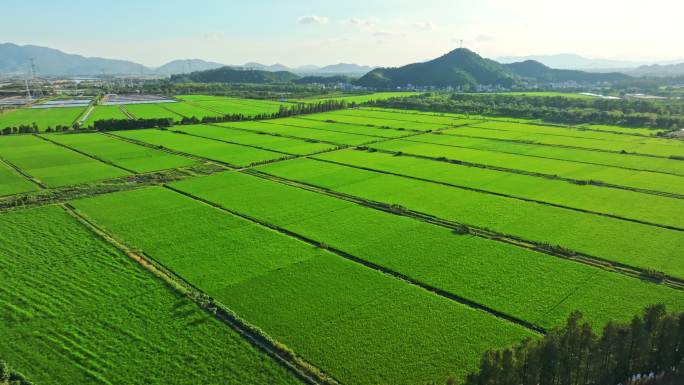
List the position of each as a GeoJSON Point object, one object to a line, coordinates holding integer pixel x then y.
{"type": "Point", "coordinates": [630, 243]}
{"type": "Point", "coordinates": [268, 142]}
{"type": "Point", "coordinates": [450, 148]}
{"type": "Point", "coordinates": [358, 99]}
{"type": "Point", "coordinates": [124, 154]}
{"type": "Point", "coordinates": [43, 118]}
{"type": "Point", "coordinates": [231, 154]}
{"type": "Point", "coordinates": [378, 246]}
{"type": "Point", "coordinates": [74, 310]}
{"type": "Point", "coordinates": [104, 113]}
{"type": "Point", "coordinates": [304, 296]}
{"type": "Point", "coordinates": [53, 165]}
{"type": "Point", "coordinates": [509, 278]}
{"type": "Point", "coordinates": [12, 182]}
{"type": "Point", "coordinates": [229, 106]}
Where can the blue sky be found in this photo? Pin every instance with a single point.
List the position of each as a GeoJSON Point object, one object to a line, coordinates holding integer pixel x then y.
{"type": "Point", "coordinates": [376, 32]}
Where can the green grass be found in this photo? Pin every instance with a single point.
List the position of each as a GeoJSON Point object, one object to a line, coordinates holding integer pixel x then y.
{"type": "Point", "coordinates": [587, 156]}
{"type": "Point", "coordinates": [76, 311]}
{"type": "Point", "coordinates": [360, 98]}
{"type": "Point", "coordinates": [450, 149]}
{"type": "Point", "coordinates": [54, 165]}
{"type": "Point", "coordinates": [640, 145]}
{"type": "Point", "coordinates": [151, 111]}
{"type": "Point", "coordinates": [271, 127]}
{"type": "Point", "coordinates": [303, 296]}
{"type": "Point", "coordinates": [622, 203]}
{"type": "Point", "coordinates": [269, 142]}
{"type": "Point", "coordinates": [42, 117]}
{"type": "Point", "coordinates": [11, 182]}
{"type": "Point", "coordinates": [231, 154]}
{"type": "Point", "coordinates": [308, 122]}
{"type": "Point", "coordinates": [513, 280]}
{"type": "Point", "coordinates": [104, 113]}
{"type": "Point", "coordinates": [124, 154]}
{"type": "Point", "coordinates": [630, 243]}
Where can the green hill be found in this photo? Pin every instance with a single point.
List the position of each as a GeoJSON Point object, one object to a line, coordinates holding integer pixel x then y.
{"type": "Point", "coordinates": [457, 68]}
{"type": "Point", "coordinates": [232, 75]}
{"type": "Point", "coordinates": [462, 67]}
{"type": "Point", "coordinates": [541, 73]}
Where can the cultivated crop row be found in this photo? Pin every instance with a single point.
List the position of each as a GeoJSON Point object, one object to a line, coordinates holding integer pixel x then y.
{"type": "Point", "coordinates": [75, 310]}
{"type": "Point", "coordinates": [332, 311]}
{"type": "Point", "coordinates": [537, 288]}
{"type": "Point", "coordinates": [612, 239]}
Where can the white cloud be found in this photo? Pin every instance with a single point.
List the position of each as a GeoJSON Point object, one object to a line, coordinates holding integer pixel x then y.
{"type": "Point", "coordinates": [484, 38]}
{"type": "Point", "coordinates": [370, 22]}
{"type": "Point", "coordinates": [424, 25]}
{"type": "Point", "coordinates": [313, 19]}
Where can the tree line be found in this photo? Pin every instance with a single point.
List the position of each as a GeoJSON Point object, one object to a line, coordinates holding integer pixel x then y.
{"type": "Point", "coordinates": [9, 376]}
{"type": "Point", "coordinates": [564, 110]}
{"type": "Point", "coordinates": [648, 349]}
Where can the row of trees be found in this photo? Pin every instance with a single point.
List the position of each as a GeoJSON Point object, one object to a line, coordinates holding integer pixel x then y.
{"type": "Point", "coordinates": [651, 345]}
{"type": "Point", "coordinates": [284, 111]}
{"type": "Point", "coordinates": [32, 129]}
{"type": "Point", "coordinates": [564, 110]}
{"type": "Point", "coordinates": [10, 377]}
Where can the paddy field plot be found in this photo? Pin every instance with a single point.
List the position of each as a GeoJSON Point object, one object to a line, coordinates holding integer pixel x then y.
{"type": "Point", "coordinates": [77, 311]}
{"type": "Point", "coordinates": [232, 154]}
{"type": "Point", "coordinates": [641, 145]}
{"type": "Point", "coordinates": [573, 132]}
{"type": "Point", "coordinates": [334, 137]}
{"type": "Point", "coordinates": [230, 106]}
{"type": "Point", "coordinates": [359, 98]}
{"type": "Point", "coordinates": [12, 182]}
{"type": "Point", "coordinates": [650, 208]}
{"type": "Point", "coordinates": [308, 122]}
{"type": "Point", "coordinates": [612, 239]}
{"type": "Point", "coordinates": [105, 113]}
{"type": "Point", "coordinates": [42, 117]}
{"type": "Point", "coordinates": [52, 164]}
{"type": "Point", "coordinates": [510, 279]}
{"type": "Point", "coordinates": [151, 111]}
{"type": "Point", "coordinates": [189, 111]}
{"type": "Point", "coordinates": [130, 156]}
{"type": "Point", "coordinates": [353, 117]}
{"type": "Point", "coordinates": [407, 116]}
{"type": "Point", "coordinates": [265, 141]}
{"type": "Point", "coordinates": [624, 130]}
{"type": "Point", "coordinates": [627, 161]}
{"type": "Point", "coordinates": [450, 149]}
{"type": "Point", "coordinates": [304, 296]}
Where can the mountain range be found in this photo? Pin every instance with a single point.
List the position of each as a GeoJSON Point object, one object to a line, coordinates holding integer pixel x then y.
{"type": "Point", "coordinates": [462, 67]}
{"type": "Point", "coordinates": [577, 62]}
{"type": "Point", "coordinates": [15, 60]}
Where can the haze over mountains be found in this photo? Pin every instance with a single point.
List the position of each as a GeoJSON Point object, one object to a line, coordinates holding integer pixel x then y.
{"type": "Point", "coordinates": [15, 60]}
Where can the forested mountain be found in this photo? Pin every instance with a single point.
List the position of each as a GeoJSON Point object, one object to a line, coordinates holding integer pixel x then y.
{"type": "Point", "coordinates": [186, 66]}
{"type": "Point", "coordinates": [539, 72]}
{"type": "Point", "coordinates": [15, 59]}
{"type": "Point", "coordinates": [232, 75]}
{"type": "Point", "coordinates": [462, 67]}
{"type": "Point", "coordinates": [457, 68]}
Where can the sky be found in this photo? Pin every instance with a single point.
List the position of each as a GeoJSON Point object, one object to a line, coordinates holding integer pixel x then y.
{"type": "Point", "coordinates": [371, 32]}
